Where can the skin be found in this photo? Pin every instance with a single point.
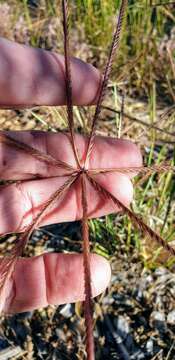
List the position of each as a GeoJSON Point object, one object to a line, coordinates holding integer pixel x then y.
{"type": "Point", "coordinates": [39, 77]}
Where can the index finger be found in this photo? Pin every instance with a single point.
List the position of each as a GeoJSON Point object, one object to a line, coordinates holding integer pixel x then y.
{"type": "Point", "coordinates": [35, 77]}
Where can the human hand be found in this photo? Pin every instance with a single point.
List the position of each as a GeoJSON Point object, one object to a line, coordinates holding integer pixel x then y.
{"type": "Point", "coordinates": [53, 278]}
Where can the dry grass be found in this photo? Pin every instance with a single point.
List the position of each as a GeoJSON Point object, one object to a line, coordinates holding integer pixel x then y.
{"type": "Point", "coordinates": [144, 72]}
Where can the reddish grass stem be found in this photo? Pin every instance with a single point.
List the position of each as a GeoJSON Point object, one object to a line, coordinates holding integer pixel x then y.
{"type": "Point", "coordinates": [68, 80]}
{"type": "Point", "coordinates": [8, 263]}
{"type": "Point", "coordinates": [113, 49]}
{"type": "Point", "coordinates": [87, 274]}
{"type": "Point", "coordinates": [41, 156]}
{"type": "Point", "coordinates": [134, 218]}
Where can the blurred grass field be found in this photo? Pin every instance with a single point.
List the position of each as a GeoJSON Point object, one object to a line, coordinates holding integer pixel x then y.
{"type": "Point", "coordinates": [144, 71]}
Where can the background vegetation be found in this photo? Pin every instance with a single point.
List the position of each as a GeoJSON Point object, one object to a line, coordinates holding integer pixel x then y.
{"type": "Point", "coordinates": [144, 72]}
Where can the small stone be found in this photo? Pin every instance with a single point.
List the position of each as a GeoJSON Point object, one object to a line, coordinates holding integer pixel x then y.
{"type": "Point", "coordinates": [107, 300]}
{"type": "Point", "coordinates": [122, 326]}
{"type": "Point", "coordinates": [150, 346]}
{"type": "Point", "coordinates": [139, 295]}
{"type": "Point", "coordinates": [66, 311]}
{"type": "Point", "coordinates": [138, 355]}
{"type": "Point", "coordinates": [171, 318]}
{"type": "Point", "coordinates": [161, 271]}
{"type": "Point", "coordinates": [149, 279]}
{"type": "Point", "coordinates": [158, 316]}
{"type": "Point", "coordinates": [61, 335]}
{"type": "Point", "coordinates": [158, 321]}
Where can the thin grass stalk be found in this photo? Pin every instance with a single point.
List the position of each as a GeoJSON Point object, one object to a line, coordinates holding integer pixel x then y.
{"type": "Point", "coordinates": [134, 169]}
{"type": "Point", "coordinates": [171, 195]}
{"type": "Point", "coordinates": [161, 3]}
{"type": "Point", "coordinates": [149, 126]}
{"type": "Point", "coordinates": [113, 49]}
{"type": "Point", "coordinates": [68, 80]}
{"type": "Point", "coordinates": [8, 263]}
{"type": "Point", "coordinates": [19, 145]}
{"type": "Point", "coordinates": [19, 248]}
{"type": "Point", "coordinates": [87, 274]}
{"type": "Point", "coordinates": [143, 179]}
{"type": "Point", "coordinates": [168, 113]}
{"type": "Point", "coordinates": [134, 218]}
{"type": "Point", "coordinates": [33, 178]}
{"type": "Point", "coordinates": [121, 117]}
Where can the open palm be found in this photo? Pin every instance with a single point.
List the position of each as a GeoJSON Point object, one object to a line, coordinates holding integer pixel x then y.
{"type": "Point", "coordinates": [36, 180]}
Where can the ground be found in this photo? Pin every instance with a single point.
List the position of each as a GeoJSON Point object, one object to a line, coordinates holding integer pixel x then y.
{"type": "Point", "coordinates": [135, 319]}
